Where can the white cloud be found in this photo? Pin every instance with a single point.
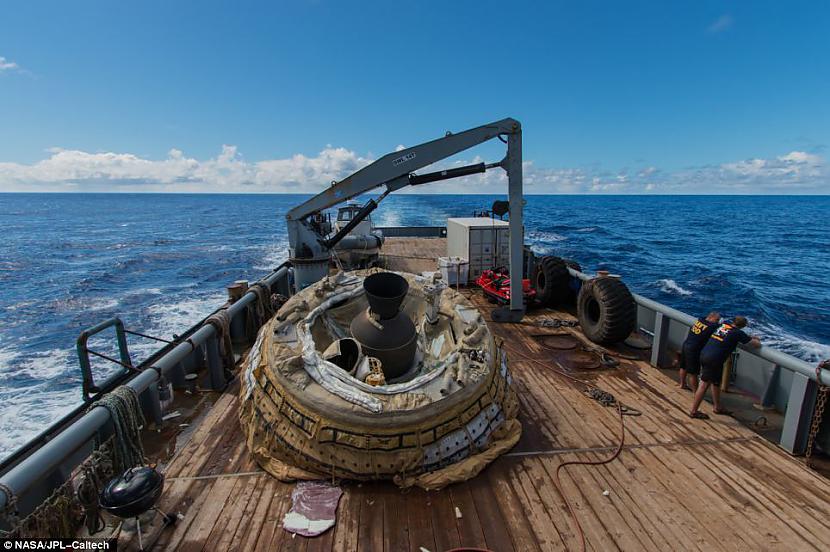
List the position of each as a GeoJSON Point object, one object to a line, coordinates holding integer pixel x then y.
{"type": "Point", "coordinates": [7, 65]}
{"type": "Point", "coordinates": [67, 170]}
{"type": "Point", "coordinates": [721, 24]}
{"type": "Point", "coordinates": [229, 171]}
{"type": "Point", "coordinates": [794, 166]}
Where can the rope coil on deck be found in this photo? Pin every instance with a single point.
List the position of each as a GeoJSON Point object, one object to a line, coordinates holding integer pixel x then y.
{"type": "Point", "coordinates": [69, 505]}
{"type": "Point", "coordinates": [127, 419]}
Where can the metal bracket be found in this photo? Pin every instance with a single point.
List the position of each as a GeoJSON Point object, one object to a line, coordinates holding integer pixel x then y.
{"type": "Point", "coordinates": [799, 414]}
{"type": "Point", "coordinates": [661, 336]}
{"type": "Point", "coordinates": [90, 388]}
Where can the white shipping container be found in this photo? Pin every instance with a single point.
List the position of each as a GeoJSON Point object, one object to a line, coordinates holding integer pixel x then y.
{"type": "Point", "coordinates": [484, 241]}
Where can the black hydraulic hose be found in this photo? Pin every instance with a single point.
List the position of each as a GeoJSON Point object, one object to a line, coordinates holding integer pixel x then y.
{"type": "Point", "coordinates": [415, 179]}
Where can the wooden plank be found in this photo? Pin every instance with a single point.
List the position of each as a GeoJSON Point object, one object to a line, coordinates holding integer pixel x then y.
{"type": "Point", "coordinates": [323, 543]}
{"type": "Point", "coordinates": [204, 431]}
{"type": "Point", "coordinates": [283, 540]}
{"type": "Point", "coordinates": [594, 515]}
{"type": "Point", "coordinates": [271, 533]}
{"type": "Point", "coordinates": [171, 539]}
{"type": "Point", "coordinates": [419, 520]}
{"type": "Point", "coordinates": [231, 518]}
{"type": "Point", "coordinates": [242, 531]}
{"type": "Point", "coordinates": [640, 507]}
{"type": "Point", "coordinates": [468, 525]}
{"type": "Point", "coordinates": [346, 530]}
{"type": "Point", "coordinates": [370, 529]}
{"type": "Point", "coordinates": [250, 539]}
{"type": "Point", "coordinates": [710, 493]}
{"type": "Point", "coordinates": [395, 529]}
{"type": "Point", "coordinates": [202, 526]}
{"type": "Point", "coordinates": [505, 491]}
{"type": "Point", "coordinates": [444, 524]}
{"type": "Point", "coordinates": [494, 524]}
{"type": "Point", "coordinates": [704, 507]}
{"type": "Point", "coordinates": [777, 507]}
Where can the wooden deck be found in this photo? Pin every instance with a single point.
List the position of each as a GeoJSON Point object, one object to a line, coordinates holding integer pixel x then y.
{"type": "Point", "coordinates": [678, 484]}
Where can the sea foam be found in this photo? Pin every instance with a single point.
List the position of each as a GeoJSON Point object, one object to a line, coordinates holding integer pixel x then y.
{"type": "Point", "coordinates": [667, 285]}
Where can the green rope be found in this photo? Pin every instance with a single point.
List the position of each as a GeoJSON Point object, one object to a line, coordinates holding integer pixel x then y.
{"type": "Point", "coordinates": [69, 505]}
{"type": "Point", "coordinates": [64, 510]}
{"type": "Point", "coordinates": [127, 418]}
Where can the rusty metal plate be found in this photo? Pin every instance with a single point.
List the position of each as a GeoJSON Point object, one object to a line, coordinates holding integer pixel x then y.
{"type": "Point", "coordinates": [582, 360]}
{"type": "Point", "coordinates": [637, 342]}
{"type": "Point", "coordinates": [560, 342]}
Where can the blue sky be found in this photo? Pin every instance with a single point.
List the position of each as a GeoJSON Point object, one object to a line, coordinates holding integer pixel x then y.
{"type": "Point", "coordinates": [614, 97]}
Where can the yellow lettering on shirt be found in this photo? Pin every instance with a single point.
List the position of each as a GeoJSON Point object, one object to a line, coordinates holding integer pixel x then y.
{"type": "Point", "coordinates": [722, 331]}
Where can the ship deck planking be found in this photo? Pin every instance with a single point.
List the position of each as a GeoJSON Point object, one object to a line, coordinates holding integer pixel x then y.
{"type": "Point", "coordinates": [678, 483]}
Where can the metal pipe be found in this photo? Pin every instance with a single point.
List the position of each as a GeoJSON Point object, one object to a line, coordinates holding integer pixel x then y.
{"type": "Point", "coordinates": [360, 242]}
{"type": "Point", "coordinates": [364, 212]}
{"type": "Point", "coordinates": [48, 457]}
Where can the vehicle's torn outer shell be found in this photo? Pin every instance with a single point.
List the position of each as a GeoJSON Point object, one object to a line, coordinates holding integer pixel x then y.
{"type": "Point", "coordinates": [303, 419]}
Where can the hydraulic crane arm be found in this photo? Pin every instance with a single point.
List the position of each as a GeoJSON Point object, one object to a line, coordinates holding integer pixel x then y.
{"type": "Point", "coordinates": [310, 251]}
{"type": "Point", "coordinates": [394, 169]}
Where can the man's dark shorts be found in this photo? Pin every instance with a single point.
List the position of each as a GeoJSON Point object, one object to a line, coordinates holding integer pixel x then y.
{"type": "Point", "coordinates": [691, 360]}
{"type": "Point", "coordinates": [711, 372]}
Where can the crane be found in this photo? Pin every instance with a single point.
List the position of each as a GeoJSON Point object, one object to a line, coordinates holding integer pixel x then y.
{"type": "Point", "coordinates": [310, 249]}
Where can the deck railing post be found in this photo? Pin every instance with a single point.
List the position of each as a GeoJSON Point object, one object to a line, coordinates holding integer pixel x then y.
{"type": "Point", "coordinates": [661, 335]}
{"type": "Point", "coordinates": [799, 414]}
{"type": "Point", "coordinates": [152, 404]}
{"type": "Point", "coordinates": [768, 398]}
{"type": "Point", "coordinates": [215, 369]}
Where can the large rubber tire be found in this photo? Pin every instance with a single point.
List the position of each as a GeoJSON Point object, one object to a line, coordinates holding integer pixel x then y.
{"type": "Point", "coordinates": [606, 310]}
{"type": "Point", "coordinates": [551, 281]}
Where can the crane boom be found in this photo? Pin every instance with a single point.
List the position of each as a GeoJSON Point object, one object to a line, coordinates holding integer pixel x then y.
{"type": "Point", "coordinates": [393, 169]}
{"type": "Point", "coordinates": [310, 252]}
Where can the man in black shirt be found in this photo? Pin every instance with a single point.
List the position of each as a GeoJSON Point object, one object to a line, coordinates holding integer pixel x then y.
{"type": "Point", "coordinates": [718, 348]}
{"type": "Point", "coordinates": [698, 335]}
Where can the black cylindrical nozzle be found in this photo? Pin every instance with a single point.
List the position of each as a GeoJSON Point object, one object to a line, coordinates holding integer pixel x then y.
{"type": "Point", "coordinates": [385, 292]}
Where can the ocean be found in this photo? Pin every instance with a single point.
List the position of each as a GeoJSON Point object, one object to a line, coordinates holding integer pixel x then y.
{"type": "Point", "coordinates": [161, 262]}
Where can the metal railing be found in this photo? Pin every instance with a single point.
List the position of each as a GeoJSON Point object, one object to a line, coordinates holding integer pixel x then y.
{"type": "Point", "coordinates": [53, 457]}
{"type": "Point", "coordinates": [782, 381]}
{"type": "Point", "coordinates": [53, 462]}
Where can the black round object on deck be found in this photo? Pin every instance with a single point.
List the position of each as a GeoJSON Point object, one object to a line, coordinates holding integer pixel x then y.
{"type": "Point", "coordinates": [133, 492]}
{"type": "Point", "coordinates": [385, 292]}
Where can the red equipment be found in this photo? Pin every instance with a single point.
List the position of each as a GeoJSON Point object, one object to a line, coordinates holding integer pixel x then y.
{"type": "Point", "coordinates": [496, 285]}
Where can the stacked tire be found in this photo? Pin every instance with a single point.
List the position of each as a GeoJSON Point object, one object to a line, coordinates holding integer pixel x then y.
{"type": "Point", "coordinates": [606, 310]}
{"type": "Point", "coordinates": [552, 281]}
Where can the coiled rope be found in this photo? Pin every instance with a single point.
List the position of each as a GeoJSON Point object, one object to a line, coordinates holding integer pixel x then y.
{"type": "Point", "coordinates": [97, 470]}
{"type": "Point", "coordinates": [221, 322]}
{"type": "Point", "coordinates": [263, 307]}
{"type": "Point", "coordinates": [127, 419]}
{"type": "Point", "coordinates": [63, 511]}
